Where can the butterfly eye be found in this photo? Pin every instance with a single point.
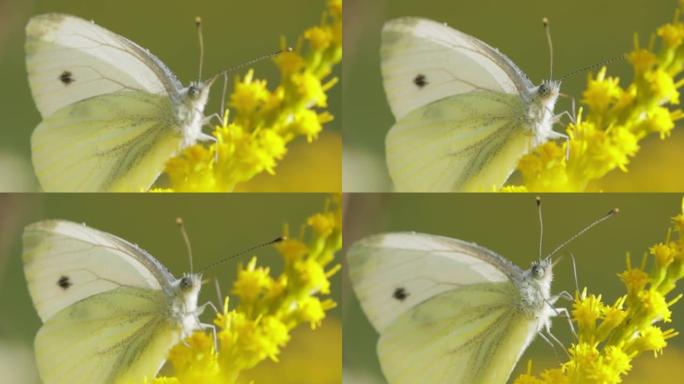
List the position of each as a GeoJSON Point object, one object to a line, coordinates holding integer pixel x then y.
{"type": "Point", "coordinates": [543, 90]}
{"type": "Point", "coordinates": [185, 283]}
{"type": "Point", "coordinates": [537, 271]}
{"type": "Point", "coordinates": [193, 92]}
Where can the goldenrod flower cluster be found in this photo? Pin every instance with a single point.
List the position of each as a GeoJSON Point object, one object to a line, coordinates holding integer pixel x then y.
{"type": "Point", "coordinates": [268, 307]}
{"type": "Point", "coordinates": [609, 337]}
{"type": "Point", "coordinates": [259, 123]}
{"type": "Point", "coordinates": [607, 132]}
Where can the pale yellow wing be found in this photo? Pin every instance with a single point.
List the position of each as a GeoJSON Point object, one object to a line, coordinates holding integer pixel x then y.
{"type": "Point", "coordinates": [117, 142]}
{"type": "Point", "coordinates": [469, 142]}
{"type": "Point", "coordinates": [470, 335]}
{"type": "Point", "coordinates": [119, 336]}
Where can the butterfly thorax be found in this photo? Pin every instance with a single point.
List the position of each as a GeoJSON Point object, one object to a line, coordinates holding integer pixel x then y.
{"type": "Point", "coordinates": [190, 111]}
{"type": "Point", "coordinates": [540, 112]}
{"type": "Point", "coordinates": [184, 304]}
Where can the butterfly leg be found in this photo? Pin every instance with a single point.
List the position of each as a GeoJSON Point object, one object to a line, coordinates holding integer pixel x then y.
{"type": "Point", "coordinates": [572, 115]}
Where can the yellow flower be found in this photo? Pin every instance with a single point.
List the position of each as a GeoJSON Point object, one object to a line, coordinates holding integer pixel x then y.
{"type": "Point", "coordinates": [672, 34]}
{"type": "Point", "coordinates": [249, 94]}
{"type": "Point", "coordinates": [269, 307]}
{"type": "Point", "coordinates": [260, 123]}
{"type": "Point", "coordinates": [601, 91]}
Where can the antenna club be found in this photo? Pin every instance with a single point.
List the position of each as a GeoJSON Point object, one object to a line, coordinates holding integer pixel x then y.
{"type": "Point", "coordinates": [614, 211]}
{"type": "Point", "coordinates": [538, 200]}
{"type": "Point", "coordinates": [179, 221]}
{"type": "Point", "coordinates": [280, 239]}
{"type": "Point", "coordinates": [198, 21]}
{"type": "Point", "coordinates": [289, 49]}
{"type": "Point", "coordinates": [545, 21]}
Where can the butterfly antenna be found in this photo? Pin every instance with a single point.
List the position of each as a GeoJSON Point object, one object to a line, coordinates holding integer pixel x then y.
{"type": "Point", "coordinates": [547, 30]}
{"type": "Point", "coordinates": [250, 62]}
{"type": "Point", "coordinates": [186, 238]}
{"type": "Point", "coordinates": [225, 259]}
{"type": "Point", "coordinates": [594, 66]}
{"type": "Point", "coordinates": [607, 216]}
{"type": "Point", "coordinates": [541, 226]}
{"type": "Point", "coordinates": [200, 36]}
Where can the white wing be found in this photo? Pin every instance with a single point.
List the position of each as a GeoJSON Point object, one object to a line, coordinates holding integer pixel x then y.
{"type": "Point", "coordinates": [424, 61]}
{"type": "Point", "coordinates": [473, 334]}
{"type": "Point", "coordinates": [395, 272]}
{"type": "Point", "coordinates": [119, 336]}
{"type": "Point", "coordinates": [116, 142]}
{"type": "Point", "coordinates": [469, 142]}
{"type": "Point", "coordinates": [65, 263]}
{"type": "Point", "coordinates": [70, 59]}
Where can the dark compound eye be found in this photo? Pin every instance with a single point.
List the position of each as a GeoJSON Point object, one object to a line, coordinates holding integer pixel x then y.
{"type": "Point", "coordinates": [543, 90]}
{"type": "Point", "coordinates": [193, 92]}
{"type": "Point", "coordinates": [537, 271]}
{"type": "Point", "coordinates": [185, 283]}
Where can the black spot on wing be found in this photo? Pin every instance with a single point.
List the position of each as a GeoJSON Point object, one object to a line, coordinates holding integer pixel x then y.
{"type": "Point", "coordinates": [400, 294]}
{"type": "Point", "coordinates": [64, 282]}
{"type": "Point", "coordinates": [66, 78]}
{"type": "Point", "coordinates": [420, 81]}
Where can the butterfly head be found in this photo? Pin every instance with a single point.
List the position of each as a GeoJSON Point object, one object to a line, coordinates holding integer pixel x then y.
{"type": "Point", "coordinates": [541, 271]}
{"type": "Point", "coordinates": [548, 90]}
{"type": "Point", "coordinates": [188, 288]}
{"type": "Point", "coordinates": [197, 93]}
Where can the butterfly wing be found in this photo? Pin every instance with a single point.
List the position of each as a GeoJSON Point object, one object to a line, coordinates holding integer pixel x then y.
{"type": "Point", "coordinates": [119, 336]}
{"type": "Point", "coordinates": [445, 309]}
{"type": "Point", "coordinates": [70, 59]}
{"type": "Point", "coordinates": [115, 142]}
{"type": "Point", "coordinates": [393, 272]}
{"type": "Point", "coordinates": [469, 142]}
{"type": "Point", "coordinates": [423, 61]}
{"type": "Point", "coordinates": [66, 262]}
{"type": "Point", "coordinates": [473, 334]}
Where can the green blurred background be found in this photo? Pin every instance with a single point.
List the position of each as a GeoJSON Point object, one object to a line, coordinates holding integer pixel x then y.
{"type": "Point", "coordinates": [218, 226]}
{"type": "Point", "coordinates": [508, 225]}
{"type": "Point", "coordinates": [234, 33]}
{"type": "Point", "coordinates": [585, 32]}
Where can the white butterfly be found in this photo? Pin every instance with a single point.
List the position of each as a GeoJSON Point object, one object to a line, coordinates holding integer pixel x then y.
{"type": "Point", "coordinates": [448, 312]}
{"type": "Point", "coordinates": [465, 113]}
{"type": "Point", "coordinates": [113, 113]}
{"type": "Point", "coordinates": [111, 312]}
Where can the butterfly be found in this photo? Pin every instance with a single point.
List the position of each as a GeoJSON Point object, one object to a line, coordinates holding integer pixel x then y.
{"type": "Point", "coordinates": [465, 112]}
{"type": "Point", "coordinates": [449, 311]}
{"type": "Point", "coordinates": [113, 114]}
{"type": "Point", "coordinates": [111, 312]}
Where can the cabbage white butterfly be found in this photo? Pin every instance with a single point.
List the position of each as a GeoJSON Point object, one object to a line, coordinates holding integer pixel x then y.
{"type": "Point", "coordinates": [113, 113]}
{"type": "Point", "coordinates": [449, 311]}
{"type": "Point", "coordinates": [110, 311]}
{"type": "Point", "coordinates": [465, 112]}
